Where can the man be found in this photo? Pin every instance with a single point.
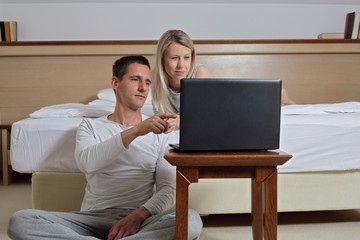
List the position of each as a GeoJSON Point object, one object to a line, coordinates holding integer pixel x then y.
{"type": "Point", "coordinates": [130, 186]}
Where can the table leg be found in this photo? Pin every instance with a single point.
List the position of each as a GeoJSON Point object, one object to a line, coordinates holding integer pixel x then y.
{"type": "Point", "coordinates": [257, 209]}
{"type": "Point", "coordinates": [182, 206]}
{"type": "Point", "coordinates": [264, 204]}
{"type": "Point", "coordinates": [271, 207]}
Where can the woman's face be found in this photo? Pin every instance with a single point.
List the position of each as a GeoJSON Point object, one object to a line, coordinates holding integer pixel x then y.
{"type": "Point", "coordinates": [177, 61]}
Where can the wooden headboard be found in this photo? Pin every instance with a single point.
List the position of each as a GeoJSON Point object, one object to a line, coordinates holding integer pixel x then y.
{"type": "Point", "coordinates": [36, 74]}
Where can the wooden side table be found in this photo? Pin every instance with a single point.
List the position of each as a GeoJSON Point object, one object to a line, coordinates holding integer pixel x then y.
{"type": "Point", "coordinates": [260, 166]}
{"type": "Point", "coordinates": [7, 171]}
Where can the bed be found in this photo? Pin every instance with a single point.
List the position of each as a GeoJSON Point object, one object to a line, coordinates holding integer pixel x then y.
{"type": "Point", "coordinates": [322, 132]}
{"type": "Point", "coordinates": [320, 137]}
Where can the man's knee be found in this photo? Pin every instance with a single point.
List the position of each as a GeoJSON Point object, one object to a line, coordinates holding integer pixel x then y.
{"type": "Point", "coordinates": [23, 222]}
{"type": "Point", "coordinates": [15, 227]}
{"type": "Point", "coordinates": [195, 224]}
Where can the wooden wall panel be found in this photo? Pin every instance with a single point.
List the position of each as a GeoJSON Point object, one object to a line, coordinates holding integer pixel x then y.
{"type": "Point", "coordinates": [37, 74]}
{"type": "Point", "coordinates": [308, 78]}
{"type": "Point", "coordinates": [31, 82]}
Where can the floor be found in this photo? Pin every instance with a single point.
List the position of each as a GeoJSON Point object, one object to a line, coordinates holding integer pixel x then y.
{"type": "Point", "coordinates": [330, 225]}
{"type": "Point", "coordinates": [12, 198]}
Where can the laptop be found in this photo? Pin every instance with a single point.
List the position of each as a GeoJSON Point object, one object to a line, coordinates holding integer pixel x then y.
{"type": "Point", "coordinates": [229, 114]}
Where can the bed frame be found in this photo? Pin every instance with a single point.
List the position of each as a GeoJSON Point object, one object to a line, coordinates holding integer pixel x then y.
{"type": "Point", "coordinates": [37, 74]}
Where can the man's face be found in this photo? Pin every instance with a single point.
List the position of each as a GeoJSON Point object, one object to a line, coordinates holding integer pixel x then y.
{"type": "Point", "coordinates": [133, 88]}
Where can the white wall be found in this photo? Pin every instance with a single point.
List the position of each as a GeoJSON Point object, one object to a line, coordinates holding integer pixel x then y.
{"type": "Point", "coordinates": [147, 21]}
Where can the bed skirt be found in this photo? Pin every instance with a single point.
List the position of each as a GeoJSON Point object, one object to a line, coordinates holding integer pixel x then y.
{"type": "Point", "coordinates": [310, 191]}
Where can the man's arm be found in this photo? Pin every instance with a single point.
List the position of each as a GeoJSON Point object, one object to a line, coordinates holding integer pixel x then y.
{"type": "Point", "coordinates": [92, 156]}
{"type": "Point", "coordinates": [164, 198]}
{"type": "Point", "coordinates": [156, 124]}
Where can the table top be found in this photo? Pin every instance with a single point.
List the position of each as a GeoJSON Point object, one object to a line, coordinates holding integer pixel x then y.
{"type": "Point", "coordinates": [231, 158]}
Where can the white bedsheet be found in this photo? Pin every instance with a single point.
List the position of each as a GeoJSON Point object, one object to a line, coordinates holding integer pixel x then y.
{"type": "Point", "coordinates": [321, 142]}
{"type": "Point", "coordinates": [321, 137]}
{"type": "Point", "coordinates": [44, 144]}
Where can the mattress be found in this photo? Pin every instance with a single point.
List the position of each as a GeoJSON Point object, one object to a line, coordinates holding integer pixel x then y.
{"type": "Point", "coordinates": [321, 137]}
{"type": "Point", "coordinates": [44, 144]}
{"type": "Point", "coordinates": [321, 142]}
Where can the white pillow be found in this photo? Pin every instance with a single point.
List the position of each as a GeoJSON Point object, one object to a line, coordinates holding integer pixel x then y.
{"type": "Point", "coordinates": [101, 102]}
{"type": "Point", "coordinates": [109, 95]}
{"type": "Point", "coordinates": [68, 110]}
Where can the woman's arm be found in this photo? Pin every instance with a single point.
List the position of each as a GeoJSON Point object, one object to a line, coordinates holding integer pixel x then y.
{"type": "Point", "coordinates": [202, 72]}
{"type": "Point", "coordinates": [285, 98]}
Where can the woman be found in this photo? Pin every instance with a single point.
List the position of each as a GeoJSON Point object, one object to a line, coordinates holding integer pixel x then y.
{"type": "Point", "coordinates": [175, 59]}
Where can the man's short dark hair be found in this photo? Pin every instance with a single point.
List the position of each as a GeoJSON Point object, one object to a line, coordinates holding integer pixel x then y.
{"type": "Point", "coordinates": [121, 65]}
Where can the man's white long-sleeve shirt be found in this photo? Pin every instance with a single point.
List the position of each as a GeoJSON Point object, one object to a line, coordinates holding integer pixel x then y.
{"type": "Point", "coordinates": [120, 177]}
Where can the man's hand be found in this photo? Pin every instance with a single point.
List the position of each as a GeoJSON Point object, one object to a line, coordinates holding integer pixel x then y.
{"type": "Point", "coordinates": [129, 225]}
{"type": "Point", "coordinates": [157, 124]}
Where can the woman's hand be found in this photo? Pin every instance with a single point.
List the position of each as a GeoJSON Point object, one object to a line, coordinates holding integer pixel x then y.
{"type": "Point", "coordinates": [173, 123]}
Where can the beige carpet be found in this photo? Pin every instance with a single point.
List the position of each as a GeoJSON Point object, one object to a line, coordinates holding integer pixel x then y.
{"type": "Point", "coordinates": [12, 198]}
{"type": "Point", "coordinates": [331, 225]}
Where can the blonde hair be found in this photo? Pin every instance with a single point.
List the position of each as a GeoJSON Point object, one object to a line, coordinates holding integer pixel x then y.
{"type": "Point", "coordinates": [160, 81]}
